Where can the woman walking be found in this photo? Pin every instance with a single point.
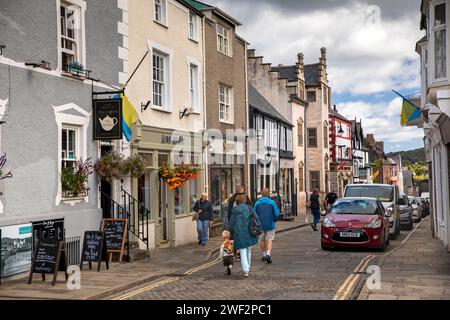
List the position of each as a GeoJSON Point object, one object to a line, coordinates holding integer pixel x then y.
{"type": "Point", "coordinates": [315, 208]}
{"type": "Point", "coordinates": [240, 228]}
{"type": "Point", "coordinates": [204, 209]}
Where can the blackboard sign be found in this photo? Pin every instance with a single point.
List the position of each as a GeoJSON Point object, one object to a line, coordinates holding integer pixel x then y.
{"type": "Point", "coordinates": [115, 232]}
{"type": "Point", "coordinates": [48, 229]}
{"type": "Point", "coordinates": [107, 119]}
{"type": "Point", "coordinates": [48, 258]}
{"type": "Point", "coordinates": [94, 249]}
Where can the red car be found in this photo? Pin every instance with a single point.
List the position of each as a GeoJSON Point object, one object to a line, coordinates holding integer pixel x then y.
{"type": "Point", "coordinates": [356, 222]}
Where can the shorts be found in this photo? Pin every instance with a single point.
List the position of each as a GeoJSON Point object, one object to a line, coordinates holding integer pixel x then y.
{"type": "Point", "coordinates": [267, 235]}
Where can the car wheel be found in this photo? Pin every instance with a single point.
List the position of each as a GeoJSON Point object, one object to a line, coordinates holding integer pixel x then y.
{"type": "Point", "coordinates": [325, 247]}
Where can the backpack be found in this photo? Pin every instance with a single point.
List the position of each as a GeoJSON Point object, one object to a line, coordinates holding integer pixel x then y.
{"type": "Point", "coordinates": [255, 223]}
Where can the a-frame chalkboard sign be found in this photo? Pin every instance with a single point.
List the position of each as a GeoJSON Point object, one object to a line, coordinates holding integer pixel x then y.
{"type": "Point", "coordinates": [49, 257]}
{"type": "Point", "coordinates": [94, 249]}
{"type": "Point", "coordinates": [115, 233]}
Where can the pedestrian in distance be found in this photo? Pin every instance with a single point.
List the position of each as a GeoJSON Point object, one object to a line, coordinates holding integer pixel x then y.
{"type": "Point", "coordinates": [227, 251]}
{"type": "Point", "coordinates": [240, 190]}
{"type": "Point", "coordinates": [240, 227]}
{"type": "Point", "coordinates": [204, 209]}
{"type": "Point", "coordinates": [267, 211]}
{"type": "Point", "coordinates": [330, 199]}
{"type": "Point", "coordinates": [225, 212]}
{"type": "Point", "coordinates": [314, 205]}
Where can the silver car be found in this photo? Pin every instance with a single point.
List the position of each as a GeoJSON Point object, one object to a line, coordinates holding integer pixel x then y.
{"type": "Point", "coordinates": [417, 210]}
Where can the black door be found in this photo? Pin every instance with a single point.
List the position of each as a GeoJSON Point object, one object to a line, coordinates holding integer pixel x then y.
{"type": "Point", "coordinates": [106, 190]}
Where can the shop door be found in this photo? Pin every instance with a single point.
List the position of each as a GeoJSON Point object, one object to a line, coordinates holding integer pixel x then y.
{"type": "Point", "coordinates": [163, 212]}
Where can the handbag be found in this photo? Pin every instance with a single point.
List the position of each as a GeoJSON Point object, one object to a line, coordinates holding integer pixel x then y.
{"type": "Point", "coordinates": [195, 216]}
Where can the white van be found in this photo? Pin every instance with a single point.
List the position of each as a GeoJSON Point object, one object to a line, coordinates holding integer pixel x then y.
{"type": "Point", "coordinates": [387, 194]}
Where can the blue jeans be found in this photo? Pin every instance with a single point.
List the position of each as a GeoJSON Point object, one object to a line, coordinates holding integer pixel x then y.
{"type": "Point", "coordinates": [316, 213]}
{"type": "Point", "coordinates": [202, 230]}
{"type": "Point", "coordinates": [246, 258]}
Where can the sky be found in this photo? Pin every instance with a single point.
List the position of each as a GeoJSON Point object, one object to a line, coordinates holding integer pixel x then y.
{"type": "Point", "coordinates": [370, 51]}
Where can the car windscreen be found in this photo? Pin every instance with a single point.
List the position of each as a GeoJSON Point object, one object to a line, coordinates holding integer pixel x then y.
{"type": "Point", "coordinates": [378, 192]}
{"type": "Point", "coordinates": [354, 206]}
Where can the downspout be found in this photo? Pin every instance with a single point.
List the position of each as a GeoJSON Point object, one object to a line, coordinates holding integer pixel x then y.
{"type": "Point", "coordinates": [305, 153]}
{"type": "Point", "coordinates": [205, 150]}
{"type": "Point", "coordinates": [247, 122]}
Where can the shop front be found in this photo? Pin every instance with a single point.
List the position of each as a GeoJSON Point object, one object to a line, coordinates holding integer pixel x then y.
{"type": "Point", "coordinates": [226, 173]}
{"type": "Point", "coordinates": [170, 209]}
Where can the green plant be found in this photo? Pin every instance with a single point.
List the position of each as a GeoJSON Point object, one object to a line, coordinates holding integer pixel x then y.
{"type": "Point", "coordinates": [74, 180]}
{"type": "Point", "coordinates": [111, 166]}
{"type": "Point", "coordinates": [134, 166]}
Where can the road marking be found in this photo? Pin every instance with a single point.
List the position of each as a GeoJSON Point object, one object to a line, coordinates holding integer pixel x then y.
{"type": "Point", "coordinates": [149, 287]}
{"type": "Point", "coordinates": [166, 281]}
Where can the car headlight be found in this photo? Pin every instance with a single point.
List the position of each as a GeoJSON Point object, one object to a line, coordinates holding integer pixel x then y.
{"type": "Point", "coordinates": [327, 223]}
{"type": "Point", "coordinates": [374, 224]}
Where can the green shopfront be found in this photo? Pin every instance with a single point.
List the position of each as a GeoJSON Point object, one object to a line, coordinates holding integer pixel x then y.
{"type": "Point", "coordinates": [171, 210]}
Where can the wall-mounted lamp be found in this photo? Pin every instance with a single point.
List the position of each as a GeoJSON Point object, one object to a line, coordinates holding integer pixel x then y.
{"type": "Point", "coordinates": [145, 106]}
{"type": "Point", "coordinates": [185, 113]}
{"type": "Point", "coordinates": [1, 49]}
{"type": "Point", "coordinates": [43, 65]}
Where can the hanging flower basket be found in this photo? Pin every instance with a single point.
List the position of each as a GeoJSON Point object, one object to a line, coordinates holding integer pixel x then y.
{"type": "Point", "coordinates": [74, 181]}
{"type": "Point", "coordinates": [177, 177]}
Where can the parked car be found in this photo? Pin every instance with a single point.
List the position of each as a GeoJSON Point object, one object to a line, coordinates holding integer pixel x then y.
{"type": "Point", "coordinates": [406, 213]}
{"type": "Point", "coordinates": [425, 207]}
{"type": "Point", "coordinates": [387, 194]}
{"type": "Point", "coordinates": [416, 207]}
{"type": "Point", "coordinates": [356, 222]}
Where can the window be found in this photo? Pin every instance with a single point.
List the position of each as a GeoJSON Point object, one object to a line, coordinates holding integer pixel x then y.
{"type": "Point", "coordinates": [312, 138]}
{"type": "Point", "coordinates": [289, 139]}
{"type": "Point", "coordinates": [193, 87]}
{"type": "Point", "coordinates": [68, 147]}
{"type": "Point", "coordinates": [300, 132]}
{"type": "Point", "coordinates": [222, 39]}
{"type": "Point", "coordinates": [314, 177]}
{"type": "Point", "coordinates": [225, 104]}
{"type": "Point", "coordinates": [440, 34]}
{"type": "Point", "coordinates": [302, 92]}
{"type": "Point", "coordinates": [311, 96]}
{"type": "Point", "coordinates": [283, 139]}
{"type": "Point", "coordinates": [192, 26]}
{"type": "Point", "coordinates": [193, 193]}
{"type": "Point", "coordinates": [301, 181]}
{"type": "Point", "coordinates": [161, 81]}
{"type": "Point", "coordinates": [178, 200]}
{"type": "Point", "coordinates": [325, 95]}
{"type": "Point", "coordinates": [271, 134]}
{"type": "Point", "coordinates": [160, 14]}
{"type": "Point", "coordinates": [325, 135]}
{"type": "Point", "coordinates": [70, 23]}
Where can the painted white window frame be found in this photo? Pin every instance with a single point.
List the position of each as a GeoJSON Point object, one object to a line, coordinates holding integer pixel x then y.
{"type": "Point", "coordinates": [226, 41]}
{"type": "Point", "coordinates": [77, 145]}
{"type": "Point", "coordinates": [164, 14]}
{"type": "Point", "coordinates": [289, 139]}
{"type": "Point", "coordinates": [433, 29]}
{"type": "Point", "coordinates": [230, 104]}
{"type": "Point", "coordinates": [191, 62]}
{"type": "Point", "coordinates": [81, 122]}
{"type": "Point", "coordinates": [80, 33]}
{"type": "Point", "coordinates": [154, 47]}
{"type": "Point", "coordinates": [192, 26]}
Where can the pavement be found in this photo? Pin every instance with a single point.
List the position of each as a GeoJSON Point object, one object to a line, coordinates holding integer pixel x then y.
{"type": "Point", "coordinates": [122, 276]}
{"type": "Point", "coordinates": [419, 269]}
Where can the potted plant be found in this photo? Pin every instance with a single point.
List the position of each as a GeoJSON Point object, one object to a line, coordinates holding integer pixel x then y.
{"type": "Point", "coordinates": [111, 166]}
{"type": "Point", "coordinates": [77, 69]}
{"type": "Point", "coordinates": [134, 166]}
{"type": "Point", "coordinates": [74, 180]}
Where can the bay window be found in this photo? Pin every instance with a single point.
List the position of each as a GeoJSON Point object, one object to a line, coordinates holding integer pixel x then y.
{"type": "Point", "coordinates": [439, 29]}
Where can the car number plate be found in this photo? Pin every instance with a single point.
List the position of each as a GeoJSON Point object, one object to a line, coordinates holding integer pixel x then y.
{"type": "Point", "coordinates": [350, 235]}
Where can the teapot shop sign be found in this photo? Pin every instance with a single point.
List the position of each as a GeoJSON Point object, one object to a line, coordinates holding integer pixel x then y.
{"type": "Point", "coordinates": [107, 119]}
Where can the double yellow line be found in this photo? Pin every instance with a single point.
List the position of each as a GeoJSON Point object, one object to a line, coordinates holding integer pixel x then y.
{"type": "Point", "coordinates": [165, 281]}
{"type": "Point", "coordinates": [346, 288]}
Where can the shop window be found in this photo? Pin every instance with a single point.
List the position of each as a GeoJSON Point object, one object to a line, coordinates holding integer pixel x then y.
{"type": "Point", "coordinates": [193, 193]}
{"type": "Point", "coordinates": [178, 200]}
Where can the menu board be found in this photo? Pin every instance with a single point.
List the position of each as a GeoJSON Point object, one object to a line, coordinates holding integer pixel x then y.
{"type": "Point", "coordinates": [115, 232]}
{"type": "Point", "coordinates": [94, 249]}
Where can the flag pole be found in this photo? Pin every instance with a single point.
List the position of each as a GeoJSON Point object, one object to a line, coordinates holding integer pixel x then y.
{"type": "Point", "coordinates": [409, 101]}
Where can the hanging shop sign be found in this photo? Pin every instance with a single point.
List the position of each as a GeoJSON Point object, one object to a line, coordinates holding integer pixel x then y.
{"type": "Point", "coordinates": [107, 119]}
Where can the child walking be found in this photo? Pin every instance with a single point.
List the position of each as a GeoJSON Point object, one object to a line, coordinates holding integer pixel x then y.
{"type": "Point", "coordinates": [226, 252]}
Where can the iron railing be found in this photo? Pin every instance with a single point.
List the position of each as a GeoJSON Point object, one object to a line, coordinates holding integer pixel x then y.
{"type": "Point", "coordinates": [139, 216]}
{"type": "Point", "coordinates": [73, 250]}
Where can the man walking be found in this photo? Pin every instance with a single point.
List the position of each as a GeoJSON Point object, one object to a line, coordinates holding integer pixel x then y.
{"type": "Point", "coordinates": [330, 199]}
{"type": "Point", "coordinates": [267, 211]}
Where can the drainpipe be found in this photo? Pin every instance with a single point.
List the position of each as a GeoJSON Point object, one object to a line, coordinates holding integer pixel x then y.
{"type": "Point", "coordinates": [247, 123]}
{"type": "Point", "coordinates": [205, 150]}
{"type": "Point", "coordinates": [305, 146]}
